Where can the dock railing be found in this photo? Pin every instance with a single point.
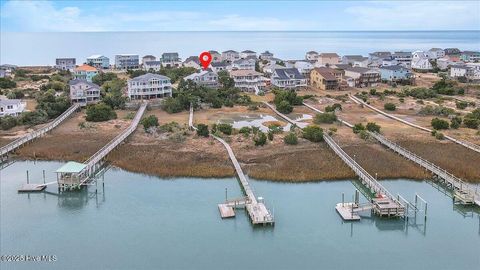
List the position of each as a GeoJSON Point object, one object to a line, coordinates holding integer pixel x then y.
{"type": "Point", "coordinates": [39, 132]}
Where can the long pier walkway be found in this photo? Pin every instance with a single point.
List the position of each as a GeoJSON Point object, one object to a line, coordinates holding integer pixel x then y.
{"type": "Point", "coordinates": [5, 150]}
{"type": "Point", "coordinates": [466, 144]}
{"type": "Point", "coordinates": [464, 192]}
{"type": "Point", "coordinates": [384, 203]}
{"type": "Point", "coordinates": [89, 168]}
{"type": "Point", "coordinates": [258, 212]}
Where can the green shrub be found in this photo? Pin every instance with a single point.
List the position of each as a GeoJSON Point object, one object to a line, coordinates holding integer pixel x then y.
{"type": "Point", "coordinates": [202, 130]}
{"type": "Point", "coordinates": [439, 136]}
{"type": "Point", "coordinates": [149, 121]}
{"type": "Point", "coordinates": [291, 138]}
{"type": "Point", "coordinates": [439, 124]}
{"type": "Point", "coordinates": [471, 123]}
{"type": "Point", "coordinates": [358, 127]}
{"type": "Point", "coordinates": [333, 107]}
{"type": "Point", "coordinates": [284, 107]}
{"type": "Point", "coordinates": [373, 127]}
{"type": "Point", "coordinates": [313, 133]}
{"type": "Point", "coordinates": [170, 127]}
{"type": "Point", "coordinates": [270, 135]}
{"type": "Point", "coordinates": [225, 128]}
{"type": "Point", "coordinates": [436, 110]}
{"type": "Point", "coordinates": [275, 128]}
{"type": "Point", "coordinates": [8, 122]}
{"type": "Point", "coordinates": [389, 107]}
{"type": "Point", "coordinates": [260, 139]}
{"type": "Point", "coordinates": [456, 122]}
{"type": "Point", "coordinates": [7, 83]}
{"type": "Point", "coordinates": [173, 105]}
{"type": "Point", "coordinates": [33, 118]}
{"type": "Point", "coordinates": [363, 134]}
{"type": "Point", "coordinates": [325, 118]}
{"type": "Point", "coordinates": [100, 112]}
{"type": "Point", "coordinates": [461, 105]}
{"type": "Point", "coordinates": [245, 131]}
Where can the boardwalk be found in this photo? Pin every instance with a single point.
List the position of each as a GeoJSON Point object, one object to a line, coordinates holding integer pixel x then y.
{"type": "Point", "coordinates": [391, 206]}
{"type": "Point", "coordinates": [464, 192]}
{"type": "Point", "coordinates": [466, 144]}
{"type": "Point", "coordinates": [257, 211]}
{"type": "Point", "coordinates": [94, 163]}
{"type": "Point", "coordinates": [37, 133]}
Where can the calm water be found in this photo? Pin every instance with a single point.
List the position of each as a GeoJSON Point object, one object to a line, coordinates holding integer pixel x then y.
{"type": "Point", "coordinates": [43, 48]}
{"type": "Point", "coordinates": [142, 222]}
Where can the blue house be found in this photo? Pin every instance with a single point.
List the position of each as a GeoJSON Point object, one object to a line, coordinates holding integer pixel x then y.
{"type": "Point", "coordinates": [395, 73]}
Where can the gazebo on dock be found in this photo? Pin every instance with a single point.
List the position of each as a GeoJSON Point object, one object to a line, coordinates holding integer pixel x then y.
{"type": "Point", "coordinates": [70, 175]}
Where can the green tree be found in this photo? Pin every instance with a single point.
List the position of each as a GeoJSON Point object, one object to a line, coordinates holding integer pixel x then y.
{"type": "Point", "coordinates": [291, 138]}
{"type": "Point", "coordinates": [113, 93]}
{"type": "Point", "coordinates": [102, 78]}
{"type": "Point", "coordinates": [8, 122]}
{"type": "Point", "coordinates": [284, 107]}
{"type": "Point", "coordinates": [202, 130]}
{"type": "Point", "coordinates": [6, 83]}
{"type": "Point", "coordinates": [313, 133]}
{"type": "Point", "coordinates": [149, 121]}
{"type": "Point", "coordinates": [100, 112]}
{"type": "Point", "coordinates": [439, 124]}
{"type": "Point", "coordinates": [225, 80]}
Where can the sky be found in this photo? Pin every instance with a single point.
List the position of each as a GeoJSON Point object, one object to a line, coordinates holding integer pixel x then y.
{"type": "Point", "coordinates": [100, 16]}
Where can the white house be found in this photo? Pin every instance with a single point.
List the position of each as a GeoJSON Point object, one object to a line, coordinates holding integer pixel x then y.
{"type": "Point", "coordinates": [435, 53]}
{"type": "Point", "coordinates": [148, 58]}
{"type": "Point", "coordinates": [243, 64]}
{"type": "Point", "coordinates": [152, 65]}
{"type": "Point", "coordinates": [192, 61]}
{"type": "Point", "coordinates": [65, 63]}
{"type": "Point", "coordinates": [13, 107]}
{"type": "Point", "coordinates": [470, 71]}
{"type": "Point", "coordinates": [216, 56]}
{"type": "Point", "coordinates": [304, 67]}
{"type": "Point", "coordinates": [248, 54]}
{"type": "Point", "coordinates": [149, 86]}
{"type": "Point", "coordinates": [219, 66]}
{"type": "Point", "coordinates": [206, 78]}
{"type": "Point", "coordinates": [288, 78]}
{"type": "Point", "coordinates": [311, 56]}
{"type": "Point", "coordinates": [266, 55]}
{"type": "Point", "coordinates": [248, 80]}
{"type": "Point", "coordinates": [420, 61]}
{"type": "Point", "coordinates": [84, 92]}
{"type": "Point", "coordinates": [230, 56]}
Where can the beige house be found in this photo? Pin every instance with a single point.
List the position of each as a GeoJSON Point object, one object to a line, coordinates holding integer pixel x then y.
{"type": "Point", "coordinates": [327, 59]}
{"type": "Point", "coordinates": [325, 78]}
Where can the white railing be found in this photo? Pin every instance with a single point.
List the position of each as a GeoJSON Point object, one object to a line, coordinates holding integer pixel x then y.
{"type": "Point", "coordinates": [39, 132]}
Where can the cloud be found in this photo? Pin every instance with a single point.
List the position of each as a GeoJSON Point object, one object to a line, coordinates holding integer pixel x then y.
{"type": "Point", "coordinates": [426, 15]}
{"type": "Point", "coordinates": [237, 22]}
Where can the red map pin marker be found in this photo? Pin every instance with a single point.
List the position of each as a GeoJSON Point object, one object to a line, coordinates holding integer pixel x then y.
{"type": "Point", "coordinates": [205, 59]}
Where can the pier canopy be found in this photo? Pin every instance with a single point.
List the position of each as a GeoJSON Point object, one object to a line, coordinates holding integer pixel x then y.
{"type": "Point", "coordinates": [71, 167]}
{"type": "Point", "coordinates": [70, 174]}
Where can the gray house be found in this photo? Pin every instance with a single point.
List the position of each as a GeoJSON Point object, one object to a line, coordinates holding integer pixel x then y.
{"type": "Point", "coordinates": [170, 59]}
{"type": "Point", "coordinates": [149, 86]}
{"type": "Point", "coordinates": [65, 63]}
{"type": "Point", "coordinates": [288, 78]}
{"type": "Point", "coordinates": [84, 92]}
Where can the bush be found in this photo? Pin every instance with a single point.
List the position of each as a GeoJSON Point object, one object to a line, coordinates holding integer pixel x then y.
{"type": "Point", "coordinates": [7, 83]}
{"type": "Point", "coordinates": [260, 139]}
{"type": "Point", "coordinates": [471, 123]}
{"type": "Point", "coordinates": [439, 124]}
{"type": "Point", "coordinates": [439, 136]}
{"type": "Point", "coordinates": [373, 127]}
{"type": "Point", "coordinates": [291, 138]}
{"type": "Point", "coordinates": [33, 118]}
{"type": "Point", "coordinates": [270, 135]}
{"type": "Point", "coordinates": [172, 105]}
{"type": "Point", "coordinates": [149, 121]}
{"type": "Point", "coordinates": [313, 133]}
{"type": "Point", "coordinates": [333, 107]}
{"type": "Point", "coordinates": [436, 110]}
{"type": "Point", "coordinates": [461, 105]}
{"type": "Point", "coordinates": [170, 127]}
{"type": "Point", "coordinates": [364, 135]}
{"type": "Point", "coordinates": [225, 128]}
{"type": "Point", "coordinates": [358, 127]}
{"type": "Point", "coordinates": [100, 112]}
{"type": "Point", "coordinates": [456, 122]}
{"type": "Point", "coordinates": [325, 118]}
{"type": "Point", "coordinates": [284, 107]}
{"type": "Point", "coordinates": [202, 130]}
{"type": "Point", "coordinates": [275, 128]}
{"type": "Point", "coordinates": [245, 131]}
{"type": "Point", "coordinates": [8, 122]}
{"type": "Point", "coordinates": [390, 107]}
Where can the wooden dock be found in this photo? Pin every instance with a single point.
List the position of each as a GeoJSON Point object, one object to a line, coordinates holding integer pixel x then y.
{"type": "Point", "coordinates": [32, 188]}
{"type": "Point", "coordinates": [466, 144]}
{"type": "Point", "coordinates": [5, 150]}
{"type": "Point", "coordinates": [257, 211]}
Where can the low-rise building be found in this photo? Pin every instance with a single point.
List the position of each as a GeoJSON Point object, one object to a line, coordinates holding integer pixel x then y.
{"type": "Point", "coordinates": [452, 51]}
{"type": "Point", "coordinates": [248, 54]}
{"type": "Point", "coordinates": [148, 58]}
{"type": "Point", "coordinates": [13, 107]}
{"type": "Point", "coordinates": [84, 72]}
{"type": "Point", "coordinates": [206, 78]}
{"type": "Point", "coordinates": [324, 78]}
{"type": "Point", "coordinates": [127, 61]}
{"type": "Point", "coordinates": [6, 70]}
{"type": "Point", "coordinates": [65, 63]}
{"type": "Point", "coordinates": [350, 59]}
{"type": "Point", "coordinates": [152, 65]}
{"type": "Point", "coordinates": [395, 73]}
{"type": "Point", "coordinates": [445, 62]}
{"type": "Point", "coordinates": [149, 86]}
{"type": "Point", "coordinates": [170, 59]}
{"type": "Point", "coordinates": [420, 61]}
{"type": "Point", "coordinates": [248, 80]}
{"type": "Point", "coordinates": [311, 56]}
{"type": "Point", "coordinates": [243, 64]}
{"type": "Point", "coordinates": [230, 56]}
{"type": "Point", "coordinates": [192, 61]}
{"type": "Point", "coordinates": [328, 59]}
{"type": "Point", "coordinates": [266, 55]}
{"type": "Point", "coordinates": [219, 66]}
{"type": "Point", "coordinates": [470, 56]}
{"type": "Point", "coordinates": [364, 77]}
{"type": "Point", "coordinates": [403, 58]}
{"type": "Point", "coordinates": [304, 67]}
{"type": "Point", "coordinates": [435, 53]}
{"type": "Point", "coordinates": [288, 78]}
{"type": "Point", "coordinates": [216, 56]}
{"type": "Point", "coordinates": [98, 61]}
{"type": "Point", "coordinates": [84, 92]}
{"type": "Point", "coordinates": [469, 71]}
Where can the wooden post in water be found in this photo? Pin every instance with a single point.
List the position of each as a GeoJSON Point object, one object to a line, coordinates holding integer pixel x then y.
{"type": "Point", "coordinates": [43, 176]}
{"type": "Point", "coordinates": [28, 181]}
{"type": "Point", "coordinates": [226, 193]}
{"type": "Point", "coordinates": [343, 199]}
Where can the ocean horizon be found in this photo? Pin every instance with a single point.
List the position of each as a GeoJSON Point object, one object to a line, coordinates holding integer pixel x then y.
{"type": "Point", "coordinates": [41, 48]}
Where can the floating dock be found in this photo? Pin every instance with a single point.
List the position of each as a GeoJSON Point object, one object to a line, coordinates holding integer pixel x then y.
{"type": "Point", "coordinates": [32, 188]}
